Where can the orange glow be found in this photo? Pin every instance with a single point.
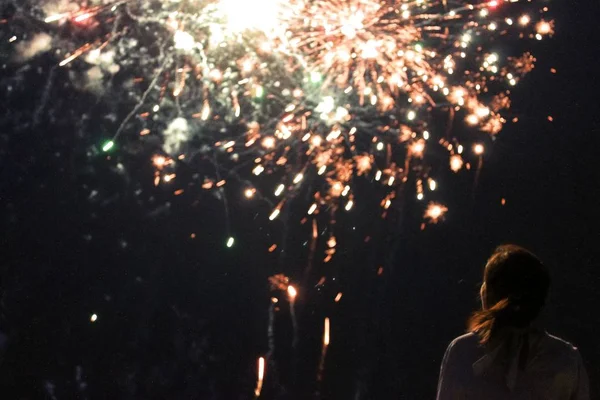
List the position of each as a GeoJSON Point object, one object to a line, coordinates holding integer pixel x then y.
{"type": "Point", "coordinates": [159, 161]}
{"type": "Point", "coordinates": [331, 242]}
{"type": "Point", "coordinates": [261, 376]}
{"type": "Point", "coordinates": [435, 212]}
{"type": "Point", "coordinates": [456, 162]}
{"type": "Point", "coordinates": [268, 142]}
{"type": "Point", "coordinates": [292, 293]}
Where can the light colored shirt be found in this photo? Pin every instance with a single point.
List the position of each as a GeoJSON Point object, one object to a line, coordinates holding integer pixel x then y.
{"type": "Point", "coordinates": [553, 371]}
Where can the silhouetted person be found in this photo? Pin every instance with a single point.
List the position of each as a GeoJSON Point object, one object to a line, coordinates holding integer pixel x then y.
{"type": "Point", "coordinates": [505, 355]}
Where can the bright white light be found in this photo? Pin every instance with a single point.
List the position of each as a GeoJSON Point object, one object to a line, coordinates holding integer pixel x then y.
{"type": "Point", "coordinates": [184, 41]}
{"type": "Point", "coordinates": [259, 15]}
{"type": "Point", "coordinates": [279, 190]}
{"type": "Point", "coordinates": [349, 205]}
{"type": "Point", "coordinates": [326, 106]}
{"type": "Point", "coordinates": [274, 214]}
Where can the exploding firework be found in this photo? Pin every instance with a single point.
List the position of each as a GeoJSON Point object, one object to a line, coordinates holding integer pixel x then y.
{"type": "Point", "coordinates": [323, 92]}
{"type": "Point", "coordinates": [316, 95]}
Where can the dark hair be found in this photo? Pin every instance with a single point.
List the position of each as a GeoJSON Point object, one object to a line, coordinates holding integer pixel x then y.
{"type": "Point", "coordinates": [516, 287]}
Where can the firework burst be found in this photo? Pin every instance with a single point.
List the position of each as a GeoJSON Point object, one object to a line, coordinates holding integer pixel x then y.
{"type": "Point", "coordinates": [324, 92]}
{"type": "Point", "coordinates": [273, 98]}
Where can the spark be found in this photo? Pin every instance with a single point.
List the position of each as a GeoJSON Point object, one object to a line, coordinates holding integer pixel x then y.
{"type": "Point", "coordinates": [279, 190]}
{"type": "Point", "coordinates": [435, 212]}
{"type": "Point", "coordinates": [545, 28]}
{"type": "Point", "coordinates": [274, 214]}
{"type": "Point", "coordinates": [524, 20]}
{"type": "Point", "coordinates": [108, 146]}
{"type": "Point", "coordinates": [478, 149]}
{"type": "Point", "coordinates": [159, 161]}
{"type": "Point", "coordinates": [456, 162]}
{"type": "Point", "coordinates": [260, 376]}
{"type": "Point", "coordinates": [326, 335]}
{"type": "Point", "coordinates": [93, 317]}
{"type": "Point", "coordinates": [349, 205]}
{"type": "Point", "coordinates": [230, 242]}
{"type": "Point", "coordinates": [268, 142]}
{"type": "Point", "coordinates": [56, 17]}
{"type": "Point", "coordinates": [292, 293]}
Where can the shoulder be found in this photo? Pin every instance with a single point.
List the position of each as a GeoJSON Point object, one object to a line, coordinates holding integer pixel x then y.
{"type": "Point", "coordinates": [468, 340]}
{"type": "Point", "coordinates": [559, 345]}
{"type": "Point", "coordinates": [559, 348]}
{"type": "Point", "coordinates": [460, 355]}
{"type": "Point", "coordinates": [465, 346]}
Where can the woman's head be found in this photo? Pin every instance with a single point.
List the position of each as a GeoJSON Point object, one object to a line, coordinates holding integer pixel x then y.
{"type": "Point", "coordinates": [514, 290]}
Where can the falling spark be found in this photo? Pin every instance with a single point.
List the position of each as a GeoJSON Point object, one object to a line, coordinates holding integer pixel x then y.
{"type": "Point", "coordinates": [292, 293]}
{"type": "Point", "coordinates": [456, 162]}
{"type": "Point", "coordinates": [274, 214]}
{"type": "Point", "coordinates": [279, 190]}
{"type": "Point", "coordinates": [349, 205]}
{"type": "Point", "coordinates": [108, 145]}
{"type": "Point", "coordinates": [524, 20]}
{"type": "Point", "coordinates": [435, 212]}
{"type": "Point", "coordinates": [326, 337]}
{"type": "Point", "coordinates": [260, 376]}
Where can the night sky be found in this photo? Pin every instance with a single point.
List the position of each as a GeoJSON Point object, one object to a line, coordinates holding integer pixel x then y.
{"type": "Point", "coordinates": [182, 317]}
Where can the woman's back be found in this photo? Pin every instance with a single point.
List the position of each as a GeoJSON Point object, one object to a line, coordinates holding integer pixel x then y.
{"type": "Point", "coordinates": [553, 370]}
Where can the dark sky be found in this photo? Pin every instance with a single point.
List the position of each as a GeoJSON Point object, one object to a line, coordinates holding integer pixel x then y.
{"type": "Point", "coordinates": [182, 318]}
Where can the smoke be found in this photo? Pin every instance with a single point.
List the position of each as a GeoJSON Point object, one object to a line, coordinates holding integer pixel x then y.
{"type": "Point", "coordinates": [38, 44]}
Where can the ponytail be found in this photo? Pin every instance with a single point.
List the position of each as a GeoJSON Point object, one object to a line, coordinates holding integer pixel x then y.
{"type": "Point", "coordinates": [485, 323]}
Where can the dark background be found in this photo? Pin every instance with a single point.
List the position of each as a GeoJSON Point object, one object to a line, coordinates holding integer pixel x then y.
{"type": "Point", "coordinates": [186, 318]}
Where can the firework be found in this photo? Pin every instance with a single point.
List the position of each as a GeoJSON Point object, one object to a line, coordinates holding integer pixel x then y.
{"type": "Point", "coordinates": [260, 377]}
{"type": "Point", "coordinates": [318, 93]}
{"type": "Point", "coordinates": [275, 97]}
{"type": "Point", "coordinates": [312, 91]}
